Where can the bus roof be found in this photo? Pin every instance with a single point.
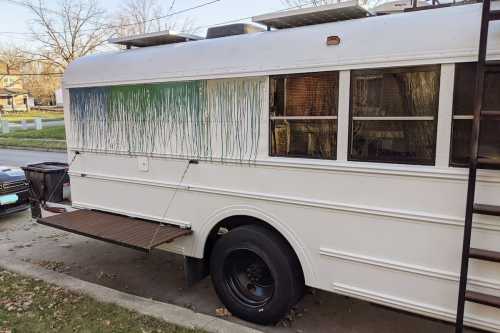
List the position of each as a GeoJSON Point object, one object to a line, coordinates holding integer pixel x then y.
{"type": "Point", "coordinates": [443, 35]}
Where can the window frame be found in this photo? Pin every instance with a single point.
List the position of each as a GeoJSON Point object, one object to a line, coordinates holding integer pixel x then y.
{"type": "Point", "coordinates": [419, 68]}
{"type": "Point", "coordinates": [457, 117]}
{"type": "Point", "coordinates": [271, 118]}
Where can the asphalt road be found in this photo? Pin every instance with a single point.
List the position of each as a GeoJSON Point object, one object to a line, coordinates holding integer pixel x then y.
{"type": "Point", "coordinates": [16, 158]}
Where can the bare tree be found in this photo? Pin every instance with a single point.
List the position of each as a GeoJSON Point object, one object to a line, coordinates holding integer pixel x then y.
{"type": "Point", "coordinates": [42, 82]}
{"type": "Point", "coordinates": [74, 29]}
{"type": "Point", "coordinates": [12, 59]}
{"type": "Point", "coordinates": [143, 16]}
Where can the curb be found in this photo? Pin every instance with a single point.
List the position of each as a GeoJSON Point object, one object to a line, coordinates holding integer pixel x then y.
{"type": "Point", "coordinates": [167, 312]}
{"type": "Point", "coordinates": [50, 150]}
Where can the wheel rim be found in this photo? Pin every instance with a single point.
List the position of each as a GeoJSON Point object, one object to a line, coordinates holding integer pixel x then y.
{"type": "Point", "coordinates": [248, 278]}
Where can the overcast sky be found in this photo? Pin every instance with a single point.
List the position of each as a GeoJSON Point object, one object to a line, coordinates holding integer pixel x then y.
{"type": "Point", "coordinates": [14, 18]}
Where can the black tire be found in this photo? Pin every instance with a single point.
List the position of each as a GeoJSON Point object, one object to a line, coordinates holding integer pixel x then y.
{"type": "Point", "coordinates": [256, 274]}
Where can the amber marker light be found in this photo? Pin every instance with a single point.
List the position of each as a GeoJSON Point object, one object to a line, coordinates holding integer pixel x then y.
{"type": "Point", "coordinates": [333, 40]}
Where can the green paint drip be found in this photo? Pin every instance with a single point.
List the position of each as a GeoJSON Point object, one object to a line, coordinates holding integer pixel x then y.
{"type": "Point", "coordinates": [214, 119]}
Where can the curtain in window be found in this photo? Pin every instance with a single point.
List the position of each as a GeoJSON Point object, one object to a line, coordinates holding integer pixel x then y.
{"type": "Point", "coordinates": [303, 115]}
{"type": "Point", "coordinates": [489, 141]}
{"type": "Point", "coordinates": [394, 115]}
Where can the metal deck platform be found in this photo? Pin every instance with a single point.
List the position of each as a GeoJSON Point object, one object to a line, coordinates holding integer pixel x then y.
{"type": "Point", "coordinates": [121, 230]}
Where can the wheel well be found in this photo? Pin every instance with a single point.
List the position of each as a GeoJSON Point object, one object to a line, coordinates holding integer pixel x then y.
{"type": "Point", "coordinates": [236, 221]}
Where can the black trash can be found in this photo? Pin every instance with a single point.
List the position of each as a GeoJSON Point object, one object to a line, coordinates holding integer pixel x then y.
{"type": "Point", "coordinates": [46, 181]}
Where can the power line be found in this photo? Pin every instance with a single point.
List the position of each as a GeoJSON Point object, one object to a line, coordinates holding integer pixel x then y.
{"type": "Point", "coordinates": [15, 33]}
{"type": "Point", "coordinates": [110, 26]}
{"type": "Point", "coordinates": [161, 17]}
{"type": "Point", "coordinates": [249, 17]}
{"type": "Point", "coordinates": [21, 38]}
{"type": "Point", "coordinates": [168, 15]}
{"type": "Point", "coordinates": [152, 19]}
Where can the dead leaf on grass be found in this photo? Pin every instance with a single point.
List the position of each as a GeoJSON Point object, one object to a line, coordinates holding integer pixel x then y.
{"type": "Point", "coordinates": [102, 275]}
{"type": "Point", "coordinates": [222, 312]}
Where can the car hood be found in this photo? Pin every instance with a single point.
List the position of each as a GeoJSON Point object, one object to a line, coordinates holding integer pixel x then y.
{"type": "Point", "coordinates": [10, 174]}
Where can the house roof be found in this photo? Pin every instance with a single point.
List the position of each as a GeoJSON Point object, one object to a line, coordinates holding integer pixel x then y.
{"type": "Point", "coordinates": [413, 38]}
{"type": "Point", "coordinates": [10, 92]}
{"type": "Point", "coordinates": [6, 70]}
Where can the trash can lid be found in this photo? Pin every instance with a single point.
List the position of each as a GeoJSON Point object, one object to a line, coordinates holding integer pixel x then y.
{"type": "Point", "coordinates": [47, 167]}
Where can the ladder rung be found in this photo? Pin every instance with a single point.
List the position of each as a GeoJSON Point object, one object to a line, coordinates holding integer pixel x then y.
{"type": "Point", "coordinates": [488, 163]}
{"type": "Point", "coordinates": [492, 114]}
{"type": "Point", "coordinates": [486, 255]}
{"type": "Point", "coordinates": [484, 299]}
{"type": "Point", "coordinates": [493, 63]}
{"type": "Point", "coordinates": [494, 15]}
{"type": "Point", "coordinates": [487, 209]}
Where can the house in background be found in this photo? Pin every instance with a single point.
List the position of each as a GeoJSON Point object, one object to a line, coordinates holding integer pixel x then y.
{"type": "Point", "coordinates": [58, 93]}
{"type": "Point", "coordinates": [12, 95]}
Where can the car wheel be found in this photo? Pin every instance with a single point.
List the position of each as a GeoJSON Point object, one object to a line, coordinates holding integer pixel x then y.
{"type": "Point", "coordinates": [256, 274]}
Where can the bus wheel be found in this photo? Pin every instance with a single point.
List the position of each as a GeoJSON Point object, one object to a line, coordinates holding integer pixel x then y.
{"type": "Point", "coordinates": [256, 274]}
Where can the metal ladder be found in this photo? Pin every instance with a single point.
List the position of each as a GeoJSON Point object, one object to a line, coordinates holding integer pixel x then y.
{"type": "Point", "coordinates": [477, 162]}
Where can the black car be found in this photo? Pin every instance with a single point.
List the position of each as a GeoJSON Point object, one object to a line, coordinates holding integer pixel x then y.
{"type": "Point", "coordinates": [13, 190]}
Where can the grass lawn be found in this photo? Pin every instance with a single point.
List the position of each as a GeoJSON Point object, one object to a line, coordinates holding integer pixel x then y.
{"type": "Point", "coordinates": [35, 139]}
{"type": "Point", "coordinates": [30, 115]}
{"type": "Point", "coordinates": [30, 306]}
{"type": "Point", "coordinates": [56, 133]}
{"type": "Point", "coordinates": [9, 142]}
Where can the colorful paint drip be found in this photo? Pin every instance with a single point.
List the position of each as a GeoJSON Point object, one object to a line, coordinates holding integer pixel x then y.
{"type": "Point", "coordinates": [214, 119]}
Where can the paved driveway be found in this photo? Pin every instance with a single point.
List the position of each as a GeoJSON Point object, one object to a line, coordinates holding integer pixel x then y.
{"type": "Point", "coordinates": [160, 276]}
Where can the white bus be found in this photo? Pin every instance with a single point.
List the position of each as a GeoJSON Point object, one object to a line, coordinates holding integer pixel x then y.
{"type": "Point", "coordinates": [330, 155]}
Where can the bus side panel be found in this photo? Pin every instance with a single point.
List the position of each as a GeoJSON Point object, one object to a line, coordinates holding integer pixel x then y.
{"type": "Point", "coordinates": [382, 233]}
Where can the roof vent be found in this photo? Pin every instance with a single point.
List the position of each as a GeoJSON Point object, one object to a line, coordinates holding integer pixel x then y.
{"type": "Point", "coordinates": [232, 30]}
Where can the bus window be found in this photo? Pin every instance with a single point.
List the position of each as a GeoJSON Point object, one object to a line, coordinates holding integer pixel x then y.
{"type": "Point", "coordinates": [394, 115]}
{"type": "Point", "coordinates": [303, 115]}
{"type": "Point", "coordinates": [463, 99]}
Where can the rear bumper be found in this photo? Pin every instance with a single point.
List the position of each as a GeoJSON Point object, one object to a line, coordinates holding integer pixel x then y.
{"type": "Point", "coordinates": [12, 210]}
{"type": "Point", "coordinates": [19, 206]}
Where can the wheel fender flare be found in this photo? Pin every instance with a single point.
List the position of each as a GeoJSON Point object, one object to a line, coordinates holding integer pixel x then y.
{"type": "Point", "coordinates": [282, 228]}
